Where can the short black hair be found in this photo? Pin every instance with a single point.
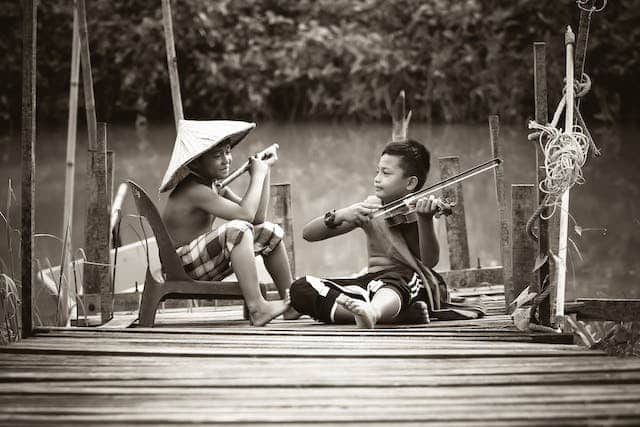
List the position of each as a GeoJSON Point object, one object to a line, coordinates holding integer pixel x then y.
{"type": "Point", "coordinates": [415, 159]}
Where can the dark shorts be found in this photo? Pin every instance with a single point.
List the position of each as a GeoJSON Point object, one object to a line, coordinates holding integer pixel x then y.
{"type": "Point", "coordinates": [316, 297]}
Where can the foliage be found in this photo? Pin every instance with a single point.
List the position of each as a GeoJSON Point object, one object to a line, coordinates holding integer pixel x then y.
{"type": "Point", "coordinates": [289, 59]}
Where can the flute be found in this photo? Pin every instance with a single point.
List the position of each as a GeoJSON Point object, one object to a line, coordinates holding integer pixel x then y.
{"type": "Point", "coordinates": [262, 155]}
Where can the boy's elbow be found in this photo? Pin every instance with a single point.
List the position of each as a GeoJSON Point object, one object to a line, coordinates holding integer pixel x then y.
{"type": "Point", "coordinates": [247, 216]}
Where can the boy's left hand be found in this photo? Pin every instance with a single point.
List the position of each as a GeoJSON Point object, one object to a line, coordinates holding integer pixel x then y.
{"type": "Point", "coordinates": [271, 155]}
{"type": "Point", "coordinates": [430, 206]}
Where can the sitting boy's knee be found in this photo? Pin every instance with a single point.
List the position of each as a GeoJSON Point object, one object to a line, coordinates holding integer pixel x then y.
{"type": "Point", "coordinates": [240, 224]}
{"type": "Point", "coordinates": [275, 230]}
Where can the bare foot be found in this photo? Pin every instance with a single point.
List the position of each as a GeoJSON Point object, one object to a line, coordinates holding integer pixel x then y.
{"type": "Point", "coordinates": [417, 314]}
{"type": "Point", "coordinates": [291, 314]}
{"type": "Point", "coordinates": [363, 312]}
{"type": "Point", "coordinates": [267, 312]}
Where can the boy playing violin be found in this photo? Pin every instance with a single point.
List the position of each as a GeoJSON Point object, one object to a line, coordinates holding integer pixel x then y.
{"type": "Point", "coordinates": [202, 156]}
{"type": "Point", "coordinates": [400, 285]}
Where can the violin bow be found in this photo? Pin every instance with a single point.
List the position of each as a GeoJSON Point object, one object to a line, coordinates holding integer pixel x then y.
{"type": "Point", "coordinates": [245, 167]}
{"type": "Point", "coordinates": [409, 198]}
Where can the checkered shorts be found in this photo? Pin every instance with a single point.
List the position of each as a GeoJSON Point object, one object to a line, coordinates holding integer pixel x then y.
{"type": "Point", "coordinates": [208, 256]}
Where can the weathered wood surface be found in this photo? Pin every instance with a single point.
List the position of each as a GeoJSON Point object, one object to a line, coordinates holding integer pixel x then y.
{"type": "Point", "coordinates": [620, 310]}
{"type": "Point", "coordinates": [542, 116]}
{"type": "Point", "coordinates": [523, 250]}
{"type": "Point", "coordinates": [501, 199]}
{"type": "Point", "coordinates": [220, 370]}
{"type": "Point", "coordinates": [455, 223]}
{"type": "Point", "coordinates": [280, 213]}
{"type": "Point", "coordinates": [28, 147]}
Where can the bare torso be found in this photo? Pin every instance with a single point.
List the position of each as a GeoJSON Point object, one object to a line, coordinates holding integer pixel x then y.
{"type": "Point", "coordinates": [183, 218]}
{"type": "Point", "coordinates": [377, 251]}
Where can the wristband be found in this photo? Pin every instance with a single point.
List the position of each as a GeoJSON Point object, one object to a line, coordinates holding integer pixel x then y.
{"type": "Point", "coordinates": [330, 219]}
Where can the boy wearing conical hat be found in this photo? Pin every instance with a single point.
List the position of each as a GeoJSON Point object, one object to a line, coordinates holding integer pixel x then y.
{"type": "Point", "coordinates": [202, 156]}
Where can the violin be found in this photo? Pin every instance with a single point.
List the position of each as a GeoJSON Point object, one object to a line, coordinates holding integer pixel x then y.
{"type": "Point", "coordinates": [409, 215]}
{"type": "Point", "coordinates": [402, 211]}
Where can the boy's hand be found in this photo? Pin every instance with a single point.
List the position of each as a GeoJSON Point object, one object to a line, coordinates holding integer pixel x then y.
{"type": "Point", "coordinates": [271, 155]}
{"type": "Point", "coordinates": [360, 213]}
{"type": "Point", "coordinates": [257, 166]}
{"type": "Point", "coordinates": [431, 206]}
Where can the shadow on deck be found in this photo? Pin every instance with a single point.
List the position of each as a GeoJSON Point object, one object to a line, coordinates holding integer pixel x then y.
{"type": "Point", "coordinates": [206, 366]}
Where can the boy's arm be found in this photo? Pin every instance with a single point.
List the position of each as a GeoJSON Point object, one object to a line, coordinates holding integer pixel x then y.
{"type": "Point", "coordinates": [224, 207]}
{"type": "Point", "coordinates": [346, 219]}
{"type": "Point", "coordinates": [261, 212]}
{"type": "Point", "coordinates": [429, 246]}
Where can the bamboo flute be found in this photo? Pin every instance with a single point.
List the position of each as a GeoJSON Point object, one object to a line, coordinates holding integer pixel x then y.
{"type": "Point", "coordinates": [569, 40]}
{"type": "Point", "coordinates": [172, 62]}
{"type": "Point", "coordinates": [245, 167]}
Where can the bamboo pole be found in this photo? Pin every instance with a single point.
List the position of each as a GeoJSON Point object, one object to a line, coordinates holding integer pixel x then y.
{"type": "Point", "coordinates": [542, 116]}
{"type": "Point", "coordinates": [72, 127]}
{"type": "Point", "coordinates": [87, 78]}
{"type": "Point", "coordinates": [29, 25]}
{"type": "Point", "coordinates": [172, 62]}
{"type": "Point", "coordinates": [569, 40]}
{"type": "Point", "coordinates": [505, 240]}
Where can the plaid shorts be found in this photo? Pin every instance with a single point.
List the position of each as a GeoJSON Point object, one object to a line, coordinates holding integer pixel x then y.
{"type": "Point", "coordinates": [208, 256]}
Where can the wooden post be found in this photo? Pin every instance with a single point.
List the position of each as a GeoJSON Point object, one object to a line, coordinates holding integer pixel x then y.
{"type": "Point", "coordinates": [523, 248]}
{"type": "Point", "coordinates": [172, 61]}
{"type": "Point", "coordinates": [87, 79]}
{"type": "Point", "coordinates": [455, 223]}
{"type": "Point", "coordinates": [72, 127]}
{"type": "Point", "coordinates": [29, 21]}
{"type": "Point", "coordinates": [564, 204]}
{"type": "Point", "coordinates": [498, 174]}
{"type": "Point", "coordinates": [400, 120]}
{"type": "Point", "coordinates": [540, 90]}
{"type": "Point", "coordinates": [97, 278]}
{"type": "Point", "coordinates": [280, 213]}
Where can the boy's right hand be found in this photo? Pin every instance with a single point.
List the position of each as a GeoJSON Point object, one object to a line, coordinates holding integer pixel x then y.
{"type": "Point", "coordinates": [360, 213]}
{"type": "Point", "coordinates": [257, 166]}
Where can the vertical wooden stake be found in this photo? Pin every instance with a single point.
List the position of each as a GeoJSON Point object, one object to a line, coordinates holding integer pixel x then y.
{"type": "Point", "coordinates": [540, 90]}
{"type": "Point", "coordinates": [87, 78]}
{"type": "Point", "coordinates": [523, 248]}
{"type": "Point", "coordinates": [97, 276]}
{"type": "Point", "coordinates": [172, 61]}
{"type": "Point", "coordinates": [498, 174]}
{"type": "Point", "coordinates": [280, 213]}
{"type": "Point", "coordinates": [564, 204]}
{"type": "Point", "coordinates": [400, 120]}
{"type": "Point", "coordinates": [455, 223]}
{"type": "Point", "coordinates": [29, 21]}
{"type": "Point", "coordinates": [72, 126]}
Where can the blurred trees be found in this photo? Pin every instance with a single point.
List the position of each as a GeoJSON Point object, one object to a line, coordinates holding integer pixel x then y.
{"type": "Point", "coordinates": [297, 59]}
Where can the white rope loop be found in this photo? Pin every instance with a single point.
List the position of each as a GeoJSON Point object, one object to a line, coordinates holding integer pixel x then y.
{"type": "Point", "coordinates": [565, 153]}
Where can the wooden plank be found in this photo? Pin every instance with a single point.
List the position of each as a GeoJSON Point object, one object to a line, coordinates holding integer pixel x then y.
{"type": "Point", "coordinates": [473, 277]}
{"type": "Point", "coordinates": [455, 223]}
{"type": "Point", "coordinates": [619, 310]}
{"type": "Point", "coordinates": [541, 115]}
{"type": "Point", "coordinates": [280, 213]}
{"type": "Point", "coordinates": [523, 249]}
{"type": "Point", "coordinates": [29, 25]}
{"type": "Point", "coordinates": [97, 273]}
{"type": "Point", "coordinates": [503, 219]}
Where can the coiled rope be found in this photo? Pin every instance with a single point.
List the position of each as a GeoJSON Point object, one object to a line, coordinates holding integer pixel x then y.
{"type": "Point", "coordinates": [565, 153]}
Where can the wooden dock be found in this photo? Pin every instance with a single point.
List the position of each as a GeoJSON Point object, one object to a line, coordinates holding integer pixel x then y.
{"type": "Point", "coordinates": [207, 366]}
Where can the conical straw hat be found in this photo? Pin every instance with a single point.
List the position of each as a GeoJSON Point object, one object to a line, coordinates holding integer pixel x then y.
{"type": "Point", "coordinates": [196, 137]}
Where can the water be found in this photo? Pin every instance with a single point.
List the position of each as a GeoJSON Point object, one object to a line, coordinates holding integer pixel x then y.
{"type": "Point", "coordinates": [332, 165]}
